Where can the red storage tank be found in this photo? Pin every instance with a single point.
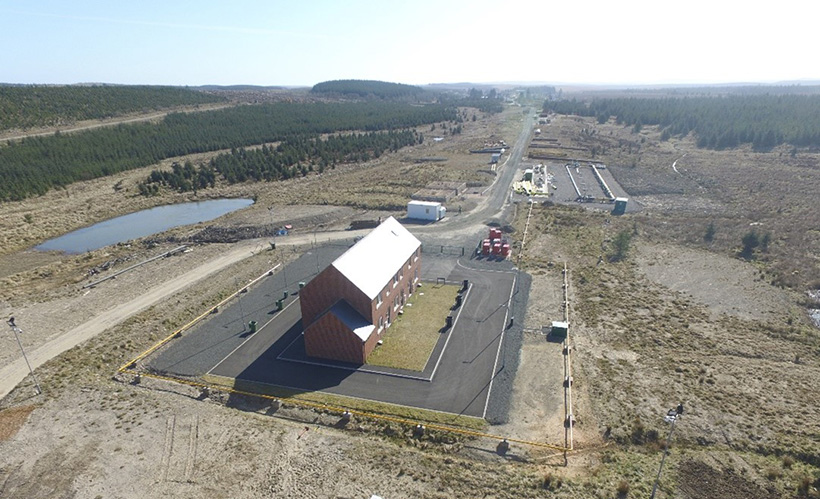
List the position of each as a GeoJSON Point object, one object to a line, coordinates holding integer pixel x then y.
{"type": "Point", "coordinates": [505, 250]}
{"type": "Point", "coordinates": [495, 233]}
{"type": "Point", "coordinates": [485, 247]}
{"type": "Point", "coordinates": [497, 249]}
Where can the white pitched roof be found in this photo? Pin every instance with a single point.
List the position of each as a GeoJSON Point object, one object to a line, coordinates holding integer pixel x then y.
{"type": "Point", "coordinates": [374, 260]}
{"type": "Point", "coordinates": [352, 319]}
{"type": "Point", "coordinates": [423, 203]}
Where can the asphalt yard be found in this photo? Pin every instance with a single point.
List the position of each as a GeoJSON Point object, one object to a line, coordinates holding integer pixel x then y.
{"type": "Point", "coordinates": [456, 379]}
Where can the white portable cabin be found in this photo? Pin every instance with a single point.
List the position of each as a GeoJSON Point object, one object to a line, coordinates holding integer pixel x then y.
{"type": "Point", "coordinates": [425, 210]}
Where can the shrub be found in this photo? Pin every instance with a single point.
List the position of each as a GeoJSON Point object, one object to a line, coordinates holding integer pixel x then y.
{"type": "Point", "coordinates": [620, 245]}
{"type": "Point", "coordinates": [773, 473]}
{"type": "Point", "coordinates": [709, 236]}
{"type": "Point", "coordinates": [638, 432]}
{"type": "Point", "coordinates": [750, 241]}
{"type": "Point", "coordinates": [551, 482]}
{"type": "Point", "coordinates": [622, 488]}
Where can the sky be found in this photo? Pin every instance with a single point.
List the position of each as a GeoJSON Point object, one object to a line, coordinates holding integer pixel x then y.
{"type": "Point", "coordinates": [303, 42]}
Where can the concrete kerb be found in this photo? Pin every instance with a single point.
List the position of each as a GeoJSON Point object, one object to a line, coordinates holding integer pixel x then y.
{"type": "Point", "coordinates": [341, 410]}
{"type": "Point", "coordinates": [358, 370]}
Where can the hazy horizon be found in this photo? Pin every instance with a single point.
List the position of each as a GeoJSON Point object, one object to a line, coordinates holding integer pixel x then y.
{"type": "Point", "coordinates": [251, 42]}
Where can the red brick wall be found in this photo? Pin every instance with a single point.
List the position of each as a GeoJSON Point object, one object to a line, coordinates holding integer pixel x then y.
{"type": "Point", "coordinates": [406, 283]}
{"type": "Point", "coordinates": [326, 289]}
{"type": "Point", "coordinates": [329, 338]}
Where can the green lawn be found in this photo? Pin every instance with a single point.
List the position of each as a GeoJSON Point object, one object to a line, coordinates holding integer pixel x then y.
{"type": "Point", "coordinates": [409, 342]}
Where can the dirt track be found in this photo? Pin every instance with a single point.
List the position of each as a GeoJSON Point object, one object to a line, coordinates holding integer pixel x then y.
{"type": "Point", "coordinates": [14, 372]}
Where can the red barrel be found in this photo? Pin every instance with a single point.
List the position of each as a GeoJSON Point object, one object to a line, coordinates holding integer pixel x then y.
{"type": "Point", "coordinates": [505, 250]}
{"type": "Point", "coordinates": [485, 247]}
{"type": "Point", "coordinates": [497, 249]}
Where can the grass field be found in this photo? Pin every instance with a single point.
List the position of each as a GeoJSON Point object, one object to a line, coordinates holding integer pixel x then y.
{"type": "Point", "coordinates": [683, 319]}
{"type": "Point", "coordinates": [409, 342]}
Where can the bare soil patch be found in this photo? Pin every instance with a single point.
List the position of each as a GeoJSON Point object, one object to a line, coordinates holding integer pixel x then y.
{"type": "Point", "coordinates": [725, 285]}
{"type": "Point", "coordinates": [698, 480]}
{"type": "Point", "coordinates": [12, 419]}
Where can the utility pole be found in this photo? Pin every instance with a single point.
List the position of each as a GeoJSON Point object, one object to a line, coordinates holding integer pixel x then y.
{"type": "Point", "coordinates": [671, 418]}
{"type": "Point", "coordinates": [17, 332]}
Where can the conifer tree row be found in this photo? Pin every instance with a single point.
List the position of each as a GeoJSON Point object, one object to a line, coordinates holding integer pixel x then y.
{"type": "Point", "coordinates": [37, 164]}
{"type": "Point", "coordinates": [27, 106]}
{"type": "Point", "coordinates": [291, 158]}
{"type": "Point", "coordinates": [721, 122]}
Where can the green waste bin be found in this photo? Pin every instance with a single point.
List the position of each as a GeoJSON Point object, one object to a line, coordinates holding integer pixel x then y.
{"type": "Point", "coordinates": [279, 305]}
{"type": "Point", "coordinates": [252, 326]}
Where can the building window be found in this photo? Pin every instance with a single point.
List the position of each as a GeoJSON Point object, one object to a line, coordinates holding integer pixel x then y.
{"type": "Point", "coordinates": [381, 323]}
{"type": "Point", "coordinates": [379, 300]}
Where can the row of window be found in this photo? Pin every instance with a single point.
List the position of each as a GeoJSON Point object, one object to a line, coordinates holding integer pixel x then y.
{"type": "Point", "coordinates": [399, 276]}
{"type": "Point", "coordinates": [396, 279]}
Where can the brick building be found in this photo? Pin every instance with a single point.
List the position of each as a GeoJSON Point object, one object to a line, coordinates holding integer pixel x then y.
{"type": "Point", "coordinates": [349, 305]}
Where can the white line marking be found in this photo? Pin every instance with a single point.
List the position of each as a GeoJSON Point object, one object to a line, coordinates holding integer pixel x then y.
{"type": "Point", "coordinates": [498, 352]}
{"type": "Point", "coordinates": [452, 330]}
{"type": "Point", "coordinates": [458, 262]}
{"type": "Point", "coordinates": [251, 336]}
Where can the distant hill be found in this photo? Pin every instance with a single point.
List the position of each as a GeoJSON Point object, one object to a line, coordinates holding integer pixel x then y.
{"type": "Point", "coordinates": [241, 88]}
{"type": "Point", "coordinates": [368, 88]}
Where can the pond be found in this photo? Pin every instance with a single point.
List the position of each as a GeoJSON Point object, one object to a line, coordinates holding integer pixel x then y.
{"type": "Point", "coordinates": [142, 223]}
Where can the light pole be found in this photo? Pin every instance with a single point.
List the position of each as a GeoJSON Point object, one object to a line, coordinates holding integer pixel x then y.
{"type": "Point", "coordinates": [17, 332]}
{"type": "Point", "coordinates": [671, 417]}
{"type": "Point", "coordinates": [239, 298]}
